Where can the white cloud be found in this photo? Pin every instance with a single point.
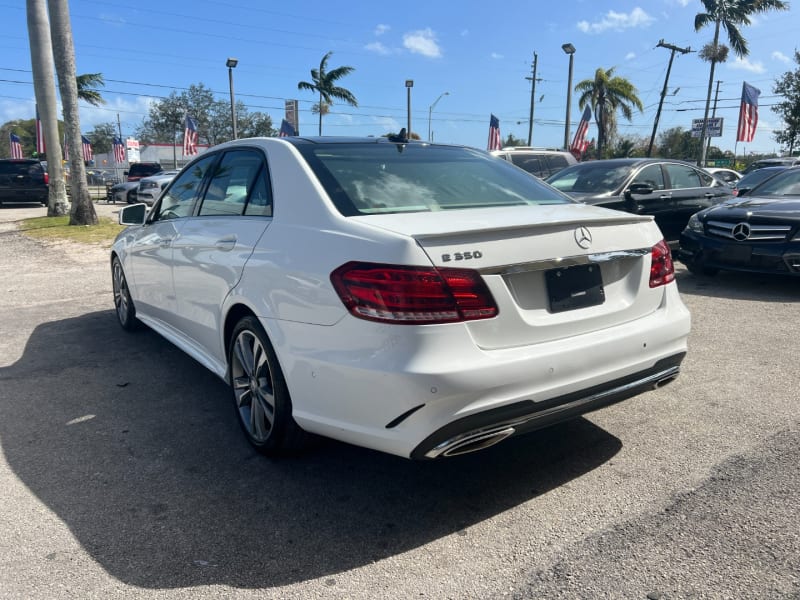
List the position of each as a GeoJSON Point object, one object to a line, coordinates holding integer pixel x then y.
{"type": "Point", "coordinates": [780, 56]}
{"type": "Point", "coordinates": [744, 64]}
{"type": "Point", "coordinates": [630, 56]}
{"type": "Point", "coordinates": [496, 56]}
{"type": "Point", "coordinates": [377, 47]}
{"type": "Point", "coordinates": [387, 124]}
{"type": "Point", "coordinates": [617, 21]}
{"type": "Point", "coordinates": [422, 41]}
{"type": "Point", "coordinates": [380, 29]}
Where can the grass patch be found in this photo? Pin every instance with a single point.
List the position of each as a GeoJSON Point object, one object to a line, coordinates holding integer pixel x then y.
{"type": "Point", "coordinates": [58, 229]}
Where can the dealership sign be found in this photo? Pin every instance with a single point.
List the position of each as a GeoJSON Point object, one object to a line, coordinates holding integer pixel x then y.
{"type": "Point", "coordinates": [713, 129]}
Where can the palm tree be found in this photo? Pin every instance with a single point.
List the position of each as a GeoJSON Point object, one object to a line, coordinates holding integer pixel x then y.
{"type": "Point", "coordinates": [45, 92]}
{"type": "Point", "coordinates": [607, 94]}
{"type": "Point", "coordinates": [86, 84]}
{"type": "Point", "coordinates": [728, 15]}
{"type": "Point", "coordinates": [82, 209]}
{"type": "Point", "coordinates": [324, 82]}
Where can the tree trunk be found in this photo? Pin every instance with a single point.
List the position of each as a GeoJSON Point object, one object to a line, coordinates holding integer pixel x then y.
{"type": "Point", "coordinates": [82, 212]}
{"type": "Point", "coordinates": [45, 91]}
{"type": "Point", "coordinates": [702, 162]}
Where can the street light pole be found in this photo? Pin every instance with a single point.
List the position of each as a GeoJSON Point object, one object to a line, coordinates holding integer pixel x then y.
{"type": "Point", "coordinates": [430, 112]}
{"type": "Point", "coordinates": [569, 49]}
{"type": "Point", "coordinates": [231, 63]}
{"type": "Point", "coordinates": [409, 85]}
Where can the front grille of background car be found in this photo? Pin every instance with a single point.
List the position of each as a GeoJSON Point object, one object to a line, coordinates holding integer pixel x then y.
{"type": "Point", "coordinates": [759, 233]}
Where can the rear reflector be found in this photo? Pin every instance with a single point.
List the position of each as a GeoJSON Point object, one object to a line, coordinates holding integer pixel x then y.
{"type": "Point", "coordinates": [412, 295]}
{"type": "Point", "coordinates": [662, 269]}
{"type": "Point", "coordinates": [46, 178]}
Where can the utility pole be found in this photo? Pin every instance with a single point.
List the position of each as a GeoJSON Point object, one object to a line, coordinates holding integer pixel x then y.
{"type": "Point", "coordinates": [533, 81]}
{"type": "Point", "coordinates": [713, 114]}
{"type": "Point", "coordinates": [673, 50]}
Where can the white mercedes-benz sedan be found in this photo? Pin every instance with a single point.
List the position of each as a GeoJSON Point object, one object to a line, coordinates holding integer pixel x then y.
{"type": "Point", "coordinates": [419, 299]}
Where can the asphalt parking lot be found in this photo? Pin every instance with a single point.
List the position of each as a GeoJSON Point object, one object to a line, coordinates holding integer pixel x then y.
{"type": "Point", "coordinates": [123, 472]}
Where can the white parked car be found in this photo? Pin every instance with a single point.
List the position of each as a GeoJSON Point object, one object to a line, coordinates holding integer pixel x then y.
{"type": "Point", "coordinates": [729, 176]}
{"type": "Point", "coordinates": [150, 188]}
{"type": "Point", "coordinates": [418, 299]}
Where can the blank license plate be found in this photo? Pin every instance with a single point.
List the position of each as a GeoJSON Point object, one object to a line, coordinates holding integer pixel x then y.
{"type": "Point", "coordinates": [574, 287]}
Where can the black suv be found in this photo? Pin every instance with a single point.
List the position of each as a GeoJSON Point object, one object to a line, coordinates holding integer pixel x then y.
{"type": "Point", "coordinates": [142, 169]}
{"type": "Point", "coordinates": [22, 180]}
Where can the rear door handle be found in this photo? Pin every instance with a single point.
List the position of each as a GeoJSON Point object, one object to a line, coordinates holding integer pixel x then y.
{"type": "Point", "coordinates": [226, 244]}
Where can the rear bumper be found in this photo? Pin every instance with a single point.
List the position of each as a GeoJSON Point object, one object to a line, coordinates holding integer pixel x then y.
{"type": "Point", "coordinates": [407, 390]}
{"type": "Point", "coordinates": [488, 428]}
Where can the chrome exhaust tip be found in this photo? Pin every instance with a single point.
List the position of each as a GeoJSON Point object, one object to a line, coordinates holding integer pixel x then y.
{"type": "Point", "coordinates": [470, 443]}
{"type": "Point", "coordinates": [665, 380]}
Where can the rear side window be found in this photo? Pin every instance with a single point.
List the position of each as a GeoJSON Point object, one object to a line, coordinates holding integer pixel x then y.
{"type": "Point", "coordinates": [557, 162]}
{"type": "Point", "coordinates": [237, 178]}
{"type": "Point", "coordinates": [531, 163]}
{"type": "Point", "coordinates": [682, 177]}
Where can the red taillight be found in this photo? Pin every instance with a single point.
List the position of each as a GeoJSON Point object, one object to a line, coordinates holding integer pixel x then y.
{"type": "Point", "coordinates": [46, 178]}
{"type": "Point", "coordinates": [662, 270]}
{"type": "Point", "coordinates": [412, 295]}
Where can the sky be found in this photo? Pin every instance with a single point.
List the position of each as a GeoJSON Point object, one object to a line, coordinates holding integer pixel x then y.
{"type": "Point", "coordinates": [467, 60]}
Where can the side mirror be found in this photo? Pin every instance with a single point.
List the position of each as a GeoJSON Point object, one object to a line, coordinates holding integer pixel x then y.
{"type": "Point", "coordinates": [135, 214]}
{"type": "Point", "coordinates": [640, 188]}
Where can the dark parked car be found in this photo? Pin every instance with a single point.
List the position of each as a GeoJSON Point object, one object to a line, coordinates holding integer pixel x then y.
{"type": "Point", "coordinates": [22, 180]}
{"type": "Point", "coordinates": [669, 190]}
{"type": "Point", "coordinates": [754, 178]}
{"type": "Point", "coordinates": [759, 232]}
{"type": "Point", "coordinates": [780, 161]}
{"type": "Point", "coordinates": [142, 169]}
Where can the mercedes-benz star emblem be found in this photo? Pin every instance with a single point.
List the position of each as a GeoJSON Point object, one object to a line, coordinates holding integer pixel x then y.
{"type": "Point", "coordinates": [583, 237]}
{"type": "Point", "coordinates": [741, 231]}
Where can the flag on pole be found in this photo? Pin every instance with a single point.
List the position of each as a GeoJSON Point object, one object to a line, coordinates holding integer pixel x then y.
{"type": "Point", "coordinates": [119, 150]}
{"type": "Point", "coordinates": [16, 146]}
{"type": "Point", "coordinates": [495, 143]}
{"type": "Point", "coordinates": [86, 146]}
{"type": "Point", "coordinates": [579, 142]}
{"type": "Point", "coordinates": [748, 113]}
{"type": "Point", "coordinates": [190, 137]}
{"type": "Point", "coordinates": [40, 146]}
{"type": "Point", "coordinates": [287, 129]}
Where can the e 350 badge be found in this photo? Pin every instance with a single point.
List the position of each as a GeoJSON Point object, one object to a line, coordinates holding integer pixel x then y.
{"type": "Point", "coordinates": [466, 255]}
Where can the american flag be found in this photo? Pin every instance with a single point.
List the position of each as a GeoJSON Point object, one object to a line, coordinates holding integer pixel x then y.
{"type": "Point", "coordinates": [579, 142]}
{"type": "Point", "coordinates": [190, 137]}
{"type": "Point", "coordinates": [495, 143]}
{"type": "Point", "coordinates": [40, 146]}
{"type": "Point", "coordinates": [119, 150]}
{"type": "Point", "coordinates": [86, 146]}
{"type": "Point", "coordinates": [16, 146]}
{"type": "Point", "coordinates": [287, 129]}
{"type": "Point", "coordinates": [748, 113]}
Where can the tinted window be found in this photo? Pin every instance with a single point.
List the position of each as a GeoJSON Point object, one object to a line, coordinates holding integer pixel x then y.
{"type": "Point", "coordinates": [382, 177]}
{"type": "Point", "coordinates": [786, 183]}
{"type": "Point", "coordinates": [179, 199]}
{"type": "Point", "coordinates": [682, 176]}
{"type": "Point", "coordinates": [557, 162]}
{"type": "Point", "coordinates": [652, 176]}
{"type": "Point", "coordinates": [591, 178]}
{"type": "Point", "coordinates": [529, 163]}
{"type": "Point", "coordinates": [234, 179]}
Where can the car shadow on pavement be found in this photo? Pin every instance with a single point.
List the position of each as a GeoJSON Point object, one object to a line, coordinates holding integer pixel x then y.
{"type": "Point", "coordinates": [136, 448]}
{"type": "Point", "coordinates": [740, 286]}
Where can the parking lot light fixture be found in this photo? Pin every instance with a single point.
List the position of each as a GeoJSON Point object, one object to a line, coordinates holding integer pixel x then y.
{"type": "Point", "coordinates": [430, 112]}
{"type": "Point", "coordinates": [231, 63]}
{"type": "Point", "coordinates": [568, 49]}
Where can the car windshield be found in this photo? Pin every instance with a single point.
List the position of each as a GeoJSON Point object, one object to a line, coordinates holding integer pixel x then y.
{"type": "Point", "coordinates": [590, 178]}
{"type": "Point", "coordinates": [378, 177]}
{"type": "Point", "coordinates": [786, 183]}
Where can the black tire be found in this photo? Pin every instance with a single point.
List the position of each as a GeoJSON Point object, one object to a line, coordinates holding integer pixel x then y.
{"type": "Point", "coordinates": [123, 304]}
{"type": "Point", "coordinates": [260, 395]}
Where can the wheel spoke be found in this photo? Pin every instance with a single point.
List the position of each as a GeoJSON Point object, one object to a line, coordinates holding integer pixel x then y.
{"type": "Point", "coordinates": [244, 353]}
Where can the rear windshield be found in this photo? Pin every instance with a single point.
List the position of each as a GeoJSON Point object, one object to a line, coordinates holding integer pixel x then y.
{"type": "Point", "coordinates": [375, 178]}
{"type": "Point", "coordinates": [786, 183]}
